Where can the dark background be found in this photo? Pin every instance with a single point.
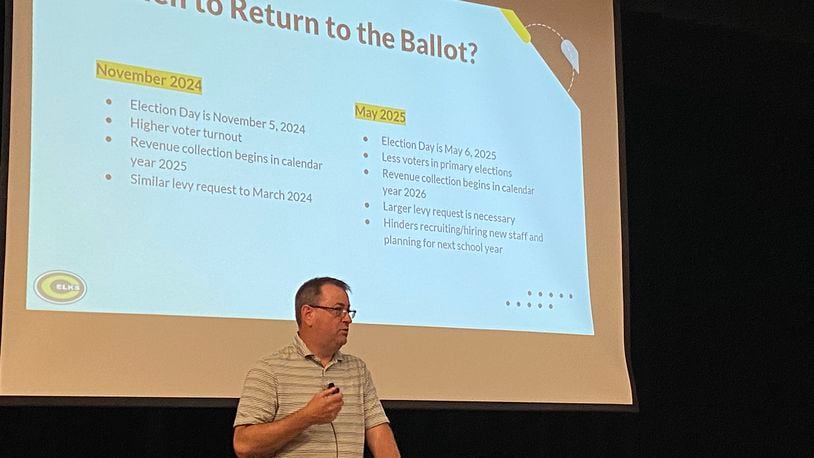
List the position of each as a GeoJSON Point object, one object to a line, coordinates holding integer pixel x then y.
{"type": "Point", "coordinates": [718, 132]}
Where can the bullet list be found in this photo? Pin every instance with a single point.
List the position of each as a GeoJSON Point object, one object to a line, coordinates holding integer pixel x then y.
{"type": "Point", "coordinates": [108, 138]}
{"type": "Point", "coordinates": [365, 171]}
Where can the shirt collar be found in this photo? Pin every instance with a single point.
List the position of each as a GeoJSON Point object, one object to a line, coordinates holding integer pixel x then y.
{"type": "Point", "coordinates": [305, 352]}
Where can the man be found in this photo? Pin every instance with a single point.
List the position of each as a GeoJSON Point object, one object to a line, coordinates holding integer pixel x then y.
{"type": "Point", "coordinates": [310, 399]}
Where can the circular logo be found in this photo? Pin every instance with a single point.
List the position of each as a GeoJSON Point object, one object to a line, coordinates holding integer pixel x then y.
{"type": "Point", "coordinates": [60, 287]}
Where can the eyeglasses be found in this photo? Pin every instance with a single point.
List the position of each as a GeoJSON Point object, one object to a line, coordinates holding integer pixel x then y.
{"type": "Point", "coordinates": [338, 312]}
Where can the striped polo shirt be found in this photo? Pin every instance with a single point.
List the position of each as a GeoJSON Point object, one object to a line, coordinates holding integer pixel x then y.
{"type": "Point", "coordinates": [286, 380]}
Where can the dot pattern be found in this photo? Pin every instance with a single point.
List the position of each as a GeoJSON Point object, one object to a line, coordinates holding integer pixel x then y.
{"type": "Point", "coordinates": [556, 298]}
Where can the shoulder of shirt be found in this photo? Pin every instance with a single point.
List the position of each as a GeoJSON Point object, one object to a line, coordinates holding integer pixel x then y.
{"type": "Point", "coordinates": [287, 353]}
{"type": "Point", "coordinates": [353, 360]}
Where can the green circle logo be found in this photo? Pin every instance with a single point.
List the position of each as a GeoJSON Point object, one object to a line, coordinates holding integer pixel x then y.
{"type": "Point", "coordinates": [60, 287]}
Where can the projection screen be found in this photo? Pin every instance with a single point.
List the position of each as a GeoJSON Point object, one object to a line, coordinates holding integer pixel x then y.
{"type": "Point", "coordinates": [177, 169]}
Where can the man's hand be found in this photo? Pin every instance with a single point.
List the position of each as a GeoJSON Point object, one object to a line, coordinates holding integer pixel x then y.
{"type": "Point", "coordinates": [324, 406]}
{"type": "Point", "coordinates": [266, 438]}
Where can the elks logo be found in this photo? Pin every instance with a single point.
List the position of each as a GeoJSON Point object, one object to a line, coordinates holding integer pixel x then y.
{"type": "Point", "coordinates": [60, 287]}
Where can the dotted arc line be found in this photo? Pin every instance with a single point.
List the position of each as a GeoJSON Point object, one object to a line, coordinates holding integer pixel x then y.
{"type": "Point", "coordinates": [573, 72]}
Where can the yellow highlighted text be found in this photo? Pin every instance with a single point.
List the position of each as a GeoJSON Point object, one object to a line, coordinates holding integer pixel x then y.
{"type": "Point", "coordinates": [378, 113]}
{"type": "Point", "coordinates": [149, 77]}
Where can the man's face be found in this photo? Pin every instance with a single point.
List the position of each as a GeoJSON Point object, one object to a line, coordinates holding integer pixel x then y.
{"type": "Point", "coordinates": [332, 330]}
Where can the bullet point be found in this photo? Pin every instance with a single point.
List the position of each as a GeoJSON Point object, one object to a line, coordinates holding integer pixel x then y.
{"type": "Point", "coordinates": [367, 205]}
{"type": "Point", "coordinates": [108, 101]}
{"type": "Point", "coordinates": [108, 120]}
{"type": "Point", "coordinates": [364, 154]}
{"type": "Point", "coordinates": [364, 138]}
{"type": "Point", "coordinates": [108, 139]}
{"type": "Point", "coordinates": [365, 171]}
{"type": "Point", "coordinates": [367, 221]}
{"type": "Point", "coordinates": [108, 176]}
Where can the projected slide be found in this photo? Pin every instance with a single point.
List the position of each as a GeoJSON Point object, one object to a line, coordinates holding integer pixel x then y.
{"type": "Point", "coordinates": [204, 158]}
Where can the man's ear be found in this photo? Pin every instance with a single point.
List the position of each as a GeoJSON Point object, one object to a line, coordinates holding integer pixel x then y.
{"type": "Point", "coordinates": [306, 315]}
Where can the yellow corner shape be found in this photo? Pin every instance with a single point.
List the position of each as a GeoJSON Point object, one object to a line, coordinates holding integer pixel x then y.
{"type": "Point", "coordinates": [518, 26]}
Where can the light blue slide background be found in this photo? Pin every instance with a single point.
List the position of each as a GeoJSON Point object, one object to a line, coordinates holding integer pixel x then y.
{"type": "Point", "coordinates": [162, 251]}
